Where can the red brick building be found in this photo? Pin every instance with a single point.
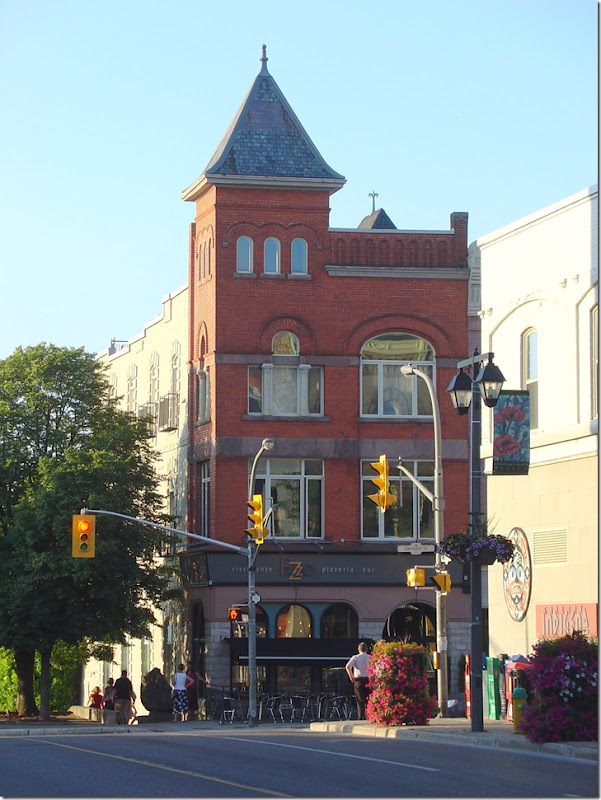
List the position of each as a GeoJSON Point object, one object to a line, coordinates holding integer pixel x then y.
{"type": "Point", "coordinates": [298, 332]}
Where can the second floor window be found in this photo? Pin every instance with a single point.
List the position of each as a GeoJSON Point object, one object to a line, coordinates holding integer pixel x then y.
{"type": "Point", "coordinates": [385, 391]}
{"type": "Point", "coordinates": [410, 519]}
{"type": "Point", "coordinates": [295, 488]}
{"type": "Point", "coordinates": [298, 257]}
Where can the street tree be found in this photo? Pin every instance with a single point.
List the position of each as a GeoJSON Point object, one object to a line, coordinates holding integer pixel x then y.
{"type": "Point", "coordinates": [65, 445]}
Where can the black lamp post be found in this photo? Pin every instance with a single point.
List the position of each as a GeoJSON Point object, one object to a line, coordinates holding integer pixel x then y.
{"type": "Point", "coordinates": [465, 392]}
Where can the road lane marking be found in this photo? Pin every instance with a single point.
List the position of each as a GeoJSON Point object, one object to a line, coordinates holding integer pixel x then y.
{"type": "Point", "coordinates": [332, 753]}
{"type": "Point", "coordinates": [161, 766]}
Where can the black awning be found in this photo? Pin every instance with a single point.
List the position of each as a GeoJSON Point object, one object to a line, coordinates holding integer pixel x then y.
{"type": "Point", "coordinates": [295, 650]}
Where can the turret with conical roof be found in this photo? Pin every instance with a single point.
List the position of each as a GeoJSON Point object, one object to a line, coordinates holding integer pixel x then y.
{"type": "Point", "coordinates": [266, 145]}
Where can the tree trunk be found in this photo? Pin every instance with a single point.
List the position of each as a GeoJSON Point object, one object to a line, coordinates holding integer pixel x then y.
{"type": "Point", "coordinates": [45, 684]}
{"type": "Point", "coordinates": [24, 665]}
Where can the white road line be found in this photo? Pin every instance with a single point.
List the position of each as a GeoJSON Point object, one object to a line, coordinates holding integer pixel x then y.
{"type": "Point", "coordinates": [332, 753]}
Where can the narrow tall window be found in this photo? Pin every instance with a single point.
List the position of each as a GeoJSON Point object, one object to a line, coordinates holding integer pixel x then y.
{"type": "Point", "coordinates": [244, 254]}
{"type": "Point", "coordinates": [271, 253]}
{"type": "Point", "coordinates": [298, 256]}
{"type": "Point", "coordinates": [205, 497]}
{"type": "Point", "coordinates": [530, 372]}
{"type": "Point", "coordinates": [595, 362]}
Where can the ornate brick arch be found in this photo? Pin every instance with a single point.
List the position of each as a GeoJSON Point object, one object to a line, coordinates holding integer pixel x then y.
{"type": "Point", "coordinates": [276, 324]}
{"type": "Point", "coordinates": [295, 229]}
{"type": "Point", "coordinates": [389, 323]}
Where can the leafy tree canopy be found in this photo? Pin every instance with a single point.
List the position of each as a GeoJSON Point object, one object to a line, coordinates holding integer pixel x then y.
{"type": "Point", "coordinates": [65, 445]}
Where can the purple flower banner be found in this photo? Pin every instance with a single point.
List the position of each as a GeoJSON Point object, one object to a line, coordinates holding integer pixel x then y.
{"type": "Point", "coordinates": [511, 446]}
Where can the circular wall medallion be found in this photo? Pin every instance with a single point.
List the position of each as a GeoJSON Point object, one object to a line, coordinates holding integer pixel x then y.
{"type": "Point", "coordinates": [517, 576]}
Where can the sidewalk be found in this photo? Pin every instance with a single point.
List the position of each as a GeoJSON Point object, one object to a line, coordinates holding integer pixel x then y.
{"type": "Point", "coordinates": [456, 731]}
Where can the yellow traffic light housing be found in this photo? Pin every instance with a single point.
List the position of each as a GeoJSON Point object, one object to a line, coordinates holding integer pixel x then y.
{"type": "Point", "coordinates": [442, 582]}
{"type": "Point", "coordinates": [83, 536]}
{"type": "Point", "coordinates": [416, 577]}
{"type": "Point", "coordinates": [257, 530]}
{"type": "Point", "coordinates": [383, 498]}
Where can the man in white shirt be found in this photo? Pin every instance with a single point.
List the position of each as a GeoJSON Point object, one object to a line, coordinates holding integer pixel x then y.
{"type": "Point", "coordinates": [356, 668]}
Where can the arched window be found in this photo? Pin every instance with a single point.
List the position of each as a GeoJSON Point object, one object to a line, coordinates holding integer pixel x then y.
{"type": "Point", "coordinates": [271, 254]}
{"type": "Point", "coordinates": [293, 622]}
{"type": "Point", "coordinates": [244, 254]}
{"type": "Point", "coordinates": [530, 372]}
{"type": "Point", "coordinates": [298, 256]}
{"type": "Point", "coordinates": [339, 622]}
{"type": "Point", "coordinates": [385, 391]}
{"type": "Point", "coordinates": [285, 343]}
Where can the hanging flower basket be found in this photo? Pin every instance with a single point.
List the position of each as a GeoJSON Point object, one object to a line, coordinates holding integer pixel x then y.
{"type": "Point", "coordinates": [479, 546]}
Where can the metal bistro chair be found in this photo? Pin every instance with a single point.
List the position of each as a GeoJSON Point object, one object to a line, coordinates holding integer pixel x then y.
{"type": "Point", "coordinates": [273, 707]}
{"type": "Point", "coordinates": [337, 708]}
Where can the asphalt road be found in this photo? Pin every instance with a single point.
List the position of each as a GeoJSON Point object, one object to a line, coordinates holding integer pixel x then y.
{"type": "Point", "coordinates": [270, 762]}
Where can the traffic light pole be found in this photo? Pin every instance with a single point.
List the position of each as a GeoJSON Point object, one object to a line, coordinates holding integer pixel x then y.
{"type": "Point", "coordinates": [438, 504]}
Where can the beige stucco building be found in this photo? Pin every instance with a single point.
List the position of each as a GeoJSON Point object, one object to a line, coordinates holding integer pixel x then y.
{"type": "Point", "coordinates": [149, 374]}
{"type": "Point", "coordinates": [540, 318]}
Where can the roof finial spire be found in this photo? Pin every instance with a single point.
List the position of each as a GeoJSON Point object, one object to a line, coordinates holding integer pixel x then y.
{"type": "Point", "coordinates": [264, 58]}
{"type": "Point", "coordinates": [373, 196]}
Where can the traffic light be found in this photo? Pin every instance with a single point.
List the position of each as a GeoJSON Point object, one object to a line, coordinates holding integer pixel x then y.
{"type": "Point", "coordinates": [383, 498]}
{"type": "Point", "coordinates": [236, 613]}
{"type": "Point", "coordinates": [257, 531]}
{"type": "Point", "coordinates": [416, 577]}
{"type": "Point", "coordinates": [83, 536]}
{"type": "Point", "coordinates": [442, 582]}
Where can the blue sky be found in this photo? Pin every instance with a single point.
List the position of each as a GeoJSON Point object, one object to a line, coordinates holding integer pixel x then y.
{"type": "Point", "coordinates": [109, 110]}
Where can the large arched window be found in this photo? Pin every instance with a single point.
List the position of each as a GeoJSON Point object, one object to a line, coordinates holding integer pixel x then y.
{"type": "Point", "coordinates": [298, 257]}
{"type": "Point", "coordinates": [339, 621]}
{"type": "Point", "coordinates": [271, 254]}
{"type": "Point", "coordinates": [385, 391]}
{"type": "Point", "coordinates": [294, 621]}
{"type": "Point", "coordinates": [244, 254]}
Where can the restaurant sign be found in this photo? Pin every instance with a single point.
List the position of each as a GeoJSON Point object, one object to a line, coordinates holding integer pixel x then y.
{"type": "Point", "coordinates": [562, 619]}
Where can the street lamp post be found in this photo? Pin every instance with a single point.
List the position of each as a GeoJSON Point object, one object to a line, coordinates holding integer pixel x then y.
{"type": "Point", "coordinates": [438, 508]}
{"type": "Point", "coordinates": [266, 444]}
{"type": "Point", "coordinates": [465, 392]}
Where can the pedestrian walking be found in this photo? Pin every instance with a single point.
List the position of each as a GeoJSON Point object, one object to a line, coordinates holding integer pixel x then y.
{"type": "Point", "coordinates": [193, 678]}
{"type": "Point", "coordinates": [179, 694]}
{"type": "Point", "coordinates": [124, 694]}
{"type": "Point", "coordinates": [109, 692]}
{"type": "Point", "coordinates": [356, 668]}
{"type": "Point", "coordinates": [95, 698]}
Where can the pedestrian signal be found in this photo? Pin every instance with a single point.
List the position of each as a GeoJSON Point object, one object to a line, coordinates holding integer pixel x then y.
{"type": "Point", "coordinates": [236, 613]}
{"type": "Point", "coordinates": [83, 536]}
{"type": "Point", "coordinates": [416, 577]}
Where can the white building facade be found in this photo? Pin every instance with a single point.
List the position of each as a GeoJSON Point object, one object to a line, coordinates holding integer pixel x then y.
{"type": "Point", "coordinates": [540, 318]}
{"type": "Point", "coordinates": [149, 375]}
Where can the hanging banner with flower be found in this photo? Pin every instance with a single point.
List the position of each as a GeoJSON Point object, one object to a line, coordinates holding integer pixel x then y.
{"type": "Point", "coordinates": [511, 445]}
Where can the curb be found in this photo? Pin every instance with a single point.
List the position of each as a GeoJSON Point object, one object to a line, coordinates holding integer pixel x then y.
{"type": "Point", "coordinates": [587, 751]}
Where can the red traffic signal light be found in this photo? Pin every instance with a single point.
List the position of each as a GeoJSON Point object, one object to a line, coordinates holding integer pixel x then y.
{"type": "Point", "coordinates": [83, 536]}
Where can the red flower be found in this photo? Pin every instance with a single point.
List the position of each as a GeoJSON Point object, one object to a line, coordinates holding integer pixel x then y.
{"type": "Point", "coordinates": [510, 413]}
{"type": "Point", "coordinates": [506, 445]}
